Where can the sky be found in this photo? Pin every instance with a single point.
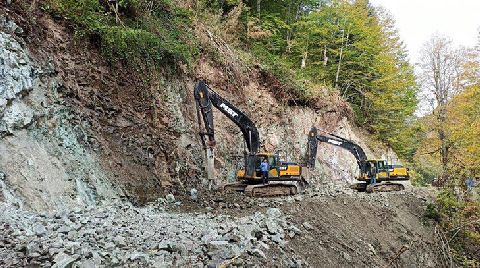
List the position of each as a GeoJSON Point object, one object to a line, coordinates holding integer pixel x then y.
{"type": "Point", "coordinates": [418, 20]}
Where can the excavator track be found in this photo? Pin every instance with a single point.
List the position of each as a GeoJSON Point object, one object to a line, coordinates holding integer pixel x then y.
{"type": "Point", "coordinates": [384, 187]}
{"type": "Point", "coordinates": [235, 187]}
{"type": "Point", "coordinates": [360, 186]}
{"type": "Point", "coordinates": [271, 190]}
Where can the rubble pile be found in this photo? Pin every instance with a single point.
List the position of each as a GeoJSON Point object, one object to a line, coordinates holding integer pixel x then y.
{"type": "Point", "coordinates": [123, 235]}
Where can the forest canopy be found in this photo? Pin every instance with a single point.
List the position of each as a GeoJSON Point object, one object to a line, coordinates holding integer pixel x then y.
{"type": "Point", "coordinates": [350, 46]}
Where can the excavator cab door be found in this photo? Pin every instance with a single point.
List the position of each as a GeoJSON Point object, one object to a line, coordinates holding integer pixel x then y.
{"type": "Point", "coordinates": [252, 164]}
{"type": "Point", "coordinates": [382, 170]}
{"type": "Point", "coordinates": [273, 161]}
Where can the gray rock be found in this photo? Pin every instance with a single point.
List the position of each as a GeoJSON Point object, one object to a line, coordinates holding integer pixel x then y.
{"type": "Point", "coordinates": [258, 253]}
{"type": "Point", "coordinates": [120, 241]}
{"type": "Point", "coordinates": [347, 256]}
{"type": "Point", "coordinates": [63, 261]}
{"type": "Point", "coordinates": [277, 238]}
{"type": "Point", "coordinates": [138, 255]}
{"type": "Point", "coordinates": [194, 194]}
{"type": "Point", "coordinates": [272, 226]}
{"type": "Point", "coordinates": [170, 198]}
{"type": "Point", "coordinates": [218, 243]}
{"type": "Point", "coordinates": [274, 213]}
{"type": "Point", "coordinates": [63, 229]}
{"type": "Point", "coordinates": [168, 246]}
{"type": "Point", "coordinates": [308, 226]}
{"type": "Point", "coordinates": [294, 229]}
{"type": "Point", "coordinates": [258, 217]}
{"type": "Point", "coordinates": [87, 264]}
{"type": "Point", "coordinates": [291, 234]}
{"type": "Point", "coordinates": [39, 229]}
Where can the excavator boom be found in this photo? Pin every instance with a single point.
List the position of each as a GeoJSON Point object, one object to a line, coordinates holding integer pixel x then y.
{"type": "Point", "coordinates": [314, 138]}
{"type": "Point", "coordinates": [207, 99]}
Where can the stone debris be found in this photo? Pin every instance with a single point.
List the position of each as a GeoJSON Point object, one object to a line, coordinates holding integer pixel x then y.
{"type": "Point", "coordinates": [194, 194]}
{"type": "Point", "coordinates": [170, 198]}
{"type": "Point", "coordinates": [372, 249]}
{"type": "Point", "coordinates": [124, 235]}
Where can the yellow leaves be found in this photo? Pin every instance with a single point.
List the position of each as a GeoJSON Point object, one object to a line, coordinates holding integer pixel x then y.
{"type": "Point", "coordinates": [463, 128]}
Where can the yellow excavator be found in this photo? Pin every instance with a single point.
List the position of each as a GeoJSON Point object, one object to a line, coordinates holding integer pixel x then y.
{"type": "Point", "coordinates": [383, 172]}
{"type": "Point", "coordinates": [284, 178]}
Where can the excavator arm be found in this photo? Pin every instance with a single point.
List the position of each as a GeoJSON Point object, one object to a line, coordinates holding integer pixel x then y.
{"type": "Point", "coordinates": [314, 138]}
{"type": "Point", "coordinates": [206, 99]}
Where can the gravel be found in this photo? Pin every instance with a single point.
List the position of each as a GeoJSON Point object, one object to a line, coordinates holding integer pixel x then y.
{"type": "Point", "coordinates": [124, 235]}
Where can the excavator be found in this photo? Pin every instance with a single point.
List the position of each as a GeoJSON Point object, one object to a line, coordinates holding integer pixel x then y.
{"type": "Point", "coordinates": [285, 178]}
{"type": "Point", "coordinates": [383, 172]}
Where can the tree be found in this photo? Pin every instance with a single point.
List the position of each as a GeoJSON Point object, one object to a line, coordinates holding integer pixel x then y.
{"type": "Point", "coordinates": [441, 76]}
{"type": "Point", "coordinates": [346, 45]}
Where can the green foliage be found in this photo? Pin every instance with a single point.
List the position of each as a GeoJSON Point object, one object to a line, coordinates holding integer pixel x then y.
{"type": "Point", "coordinates": [432, 213]}
{"type": "Point", "coordinates": [346, 45]}
{"type": "Point", "coordinates": [144, 34]}
{"type": "Point", "coordinates": [448, 203]}
{"type": "Point", "coordinates": [460, 219]}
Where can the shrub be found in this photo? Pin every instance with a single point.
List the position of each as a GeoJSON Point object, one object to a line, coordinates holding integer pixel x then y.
{"type": "Point", "coordinates": [145, 34]}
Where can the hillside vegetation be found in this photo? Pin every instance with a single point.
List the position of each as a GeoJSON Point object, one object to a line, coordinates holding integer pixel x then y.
{"type": "Point", "coordinates": [314, 48]}
{"type": "Point", "coordinates": [309, 51]}
{"type": "Point", "coordinates": [351, 48]}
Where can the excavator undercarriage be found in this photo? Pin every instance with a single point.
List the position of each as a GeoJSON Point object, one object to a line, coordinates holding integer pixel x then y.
{"type": "Point", "coordinates": [377, 187]}
{"type": "Point", "coordinates": [270, 189]}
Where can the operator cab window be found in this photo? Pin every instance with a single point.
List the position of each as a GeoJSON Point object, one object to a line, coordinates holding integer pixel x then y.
{"type": "Point", "coordinates": [381, 165]}
{"type": "Point", "coordinates": [272, 161]}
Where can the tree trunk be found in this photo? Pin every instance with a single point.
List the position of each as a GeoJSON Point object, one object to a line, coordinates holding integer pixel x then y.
{"type": "Point", "coordinates": [325, 57]}
{"type": "Point", "coordinates": [341, 56]}
{"type": "Point", "coordinates": [304, 60]}
{"type": "Point", "coordinates": [258, 8]}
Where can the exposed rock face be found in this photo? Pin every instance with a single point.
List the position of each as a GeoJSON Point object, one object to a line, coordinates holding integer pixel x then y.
{"type": "Point", "coordinates": [17, 78]}
{"type": "Point", "coordinates": [41, 158]}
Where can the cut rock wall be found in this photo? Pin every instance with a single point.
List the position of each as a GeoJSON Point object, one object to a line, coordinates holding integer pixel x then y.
{"type": "Point", "coordinates": [41, 159]}
{"type": "Point", "coordinates": [77, 131]}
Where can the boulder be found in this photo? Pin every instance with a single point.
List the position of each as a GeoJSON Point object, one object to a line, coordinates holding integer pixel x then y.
{"type": "Point", "coordinates": [170, 198]}
{"type": "Point", "coordinates": [63, 261]}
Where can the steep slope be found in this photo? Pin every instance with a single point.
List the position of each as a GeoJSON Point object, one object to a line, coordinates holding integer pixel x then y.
{"type": "Point", "coordinates": [83, 130]}
{"type": "Point", "coordinates": [98, 163]}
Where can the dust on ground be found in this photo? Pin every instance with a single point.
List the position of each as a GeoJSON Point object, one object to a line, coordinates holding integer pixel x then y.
{"type": "Point", "coordinates": [341, 227]}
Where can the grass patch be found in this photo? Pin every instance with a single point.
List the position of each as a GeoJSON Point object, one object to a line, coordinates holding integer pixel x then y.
{"type": "Point", "coordinates": [141, 32]}
{"type": "Point", "coordinates": [460, 220]}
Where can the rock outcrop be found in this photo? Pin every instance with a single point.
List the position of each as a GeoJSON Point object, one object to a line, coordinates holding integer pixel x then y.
{"type": "Point", "coordinates": [42, 161]}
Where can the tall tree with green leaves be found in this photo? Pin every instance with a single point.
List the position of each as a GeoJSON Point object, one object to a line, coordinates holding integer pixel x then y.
{"type": "Point", "coordinates": [346, 45]}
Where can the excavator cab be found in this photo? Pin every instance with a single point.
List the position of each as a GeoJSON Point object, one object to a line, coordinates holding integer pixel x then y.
{"type": "Point", "coordinates": [381, 168]}
{"type": "Point", "coordinates": [252, 167]}
{"type": "Point", "coordinates": [279, 170]}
